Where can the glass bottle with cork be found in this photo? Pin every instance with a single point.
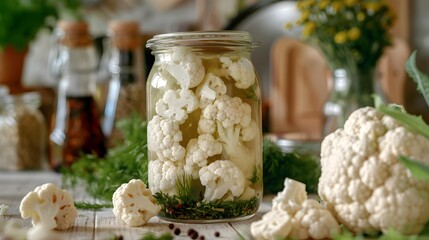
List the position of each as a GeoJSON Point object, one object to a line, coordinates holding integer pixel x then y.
{"type": "Point", "coordinates": [76, 121]}
{"type": "Point", "coordinates": [123, 65]}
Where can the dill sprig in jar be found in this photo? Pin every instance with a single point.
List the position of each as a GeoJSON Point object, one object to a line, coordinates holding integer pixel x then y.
{"type": "Point", "coordinates": [204, 129]}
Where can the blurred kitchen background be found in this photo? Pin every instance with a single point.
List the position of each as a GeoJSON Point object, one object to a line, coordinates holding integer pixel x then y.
{"type": "Point", "coordinates": [264, 19]}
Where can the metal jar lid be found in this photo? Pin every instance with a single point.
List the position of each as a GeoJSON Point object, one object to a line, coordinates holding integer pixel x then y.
{"type": "Point", "coordinates": [296, 142]}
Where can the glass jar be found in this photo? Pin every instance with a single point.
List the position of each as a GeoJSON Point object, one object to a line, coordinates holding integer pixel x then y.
{"type": "Point", "coordinates": [204, 129]}
{"type": "Point", "coordinates": [22, 131]}
{"type": "Point", "coordinates": [76, 120]}
{"type": "Point", "coordinates": [122, 65]}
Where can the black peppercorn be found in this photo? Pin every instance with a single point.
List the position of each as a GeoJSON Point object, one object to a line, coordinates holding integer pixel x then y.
{"type": "Point", "coordinates": [170, 226]}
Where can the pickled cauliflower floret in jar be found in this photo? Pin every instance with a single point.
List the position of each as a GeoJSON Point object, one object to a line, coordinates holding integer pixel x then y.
{"type": "Point", "coordinates": [204, 126]}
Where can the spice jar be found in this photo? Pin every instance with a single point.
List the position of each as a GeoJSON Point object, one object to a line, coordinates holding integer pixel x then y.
{"type": "Point", "coordinates": [76, 120]}
{"type": "Point", "coordinates": [123, 63]}
{"type": "Point", "coordinates": [22, 131]}
{"type": "Point", "coordinates": [204, 129]}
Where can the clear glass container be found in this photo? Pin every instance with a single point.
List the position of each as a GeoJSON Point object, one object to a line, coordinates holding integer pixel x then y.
{"type": "Point", "coordinates": [204, 129]}
{"type": "Point", "coordinates": [76, 120]}
{"type": "Point", "coordinates": [122, 64]}
{"type": "Point", "coordinates": [22, 131]}
{"type": "Point", "coordinates": [341, 102]}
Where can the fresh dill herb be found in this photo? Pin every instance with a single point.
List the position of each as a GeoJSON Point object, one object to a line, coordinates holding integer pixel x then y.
{"type": "Point", "coordinates": [102, 176]}
{"type": "Point", "coordinates": [184, 188]}
{"type": "Point", "coordinates": [256, 176]}
{"type": "Point", "coordinates": [172, 206]}
{"type": "Point", "coordinates": [91, 206]}
{"type": "Point", "coordinates": [277, 165]}
{"type": "Point", "coordinates": [251, 93]}
{"type": "Point", "coordinates": [151, 236]}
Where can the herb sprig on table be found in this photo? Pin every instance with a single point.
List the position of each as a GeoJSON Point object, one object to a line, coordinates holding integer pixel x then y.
{"type": "Point", "coordinates": [102, 176]}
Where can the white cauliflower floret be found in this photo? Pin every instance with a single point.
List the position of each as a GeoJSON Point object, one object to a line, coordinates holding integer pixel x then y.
{"type": "Point", "coordinates": [211, 88]}
{"type": "Point", "coordinates": [40, 232]}
{"type": "Point", "coordinates": [3, 209]}
{"type": "Point", "coordinates": [221, 177]}
{"type": "Point", "coordinates": [176, 104]}
{"type": "Point", "coordinates": [186, 67]}
{"type": "Point", "coordinates": [134, 204]}
{"type": "Point", "coordinates": [249, 133]}
{"type": "Point", "coordinates": [241, 71]}
{"type": "Point", "coordinates": [164, 137]}
{"type": "Point", "coordinates": [197, 152]}
{"type": "Point", "coordinates": [362, 181]}
{"type": "Point", "coordinates": [13, 230]}
{"type": "Point", "coordinates": [273, 225]}
{"type": "Point", "coordinates": [299, 217]}
{"type": "Point", "coordinates": [164, 174]}
{"type": "Point", "coordinates": [232, 119]}
{"type": "Point", "coordinates": [49, 206]}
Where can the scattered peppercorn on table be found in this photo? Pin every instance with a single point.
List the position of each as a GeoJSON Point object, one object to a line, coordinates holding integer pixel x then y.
{"type": "Point", "coordinates": [102, 224]}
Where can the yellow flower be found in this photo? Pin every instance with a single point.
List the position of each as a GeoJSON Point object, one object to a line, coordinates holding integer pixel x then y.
{"type": "Point", "coordinates": [288, 26]}
{"type": "Point", "coordinates": [350, 3]}
{"type": "Point", "coordinates": [360, 16]}
{"type": "Point", "coordinates": [337, 5]}
{"type": "Point", "coordinates": [304, 16]}
{"type": "Point", "coordinates": [323, 4]}
{"type": "Point", "coordinates": [303, 4]}
{"type": "Point", "coordinates": [354, 33]}
{"type": "Point", "coordinates": [340, 37]}
{"type": "Point", "coordinates": [308, 29]}
{"type": "Point", "coordinates": [372, 6]}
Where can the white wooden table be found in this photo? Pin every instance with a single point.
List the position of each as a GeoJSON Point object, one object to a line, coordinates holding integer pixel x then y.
{"type": "Point", "coordinates": [102, 224]}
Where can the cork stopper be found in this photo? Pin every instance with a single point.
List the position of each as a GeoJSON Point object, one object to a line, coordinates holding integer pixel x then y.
{"type": "Point", "coordinates": [125, 35]}
{"type": "Point", "coordinates": [74, 34]}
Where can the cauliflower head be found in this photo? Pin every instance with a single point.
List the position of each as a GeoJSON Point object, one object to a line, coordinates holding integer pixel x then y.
{"type": "Point", "coordinates": [50, 206]}
{"type": "Point", "coordinates": [241, 71]}
{"type": "Point", "coordinates": [164, 138]}
{"type": "Point", "coordinates": [176, 104]}
{"type": "Point", "coordinates": [221, 177]}
{"type": "Point", "coordinates": [198, 151]}
{"type": "Point", "coordinates": [295, 216]}
{"type": "Point", "coordinates": [134, 204]}
{"type": "Point", "coordinates": [186, 67]}
{"type": "Point", "coordinates": [163, 175]}
{"type": "Point", "coordinates": [363, 183]}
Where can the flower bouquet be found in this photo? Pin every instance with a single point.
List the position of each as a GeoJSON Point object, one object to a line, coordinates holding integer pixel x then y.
{"type": "Point", "coordinates": [352, 35]}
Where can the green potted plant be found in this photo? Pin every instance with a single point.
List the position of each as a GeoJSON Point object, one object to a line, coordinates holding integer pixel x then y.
{"type": "Point", "coordinates": [20, 21]}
